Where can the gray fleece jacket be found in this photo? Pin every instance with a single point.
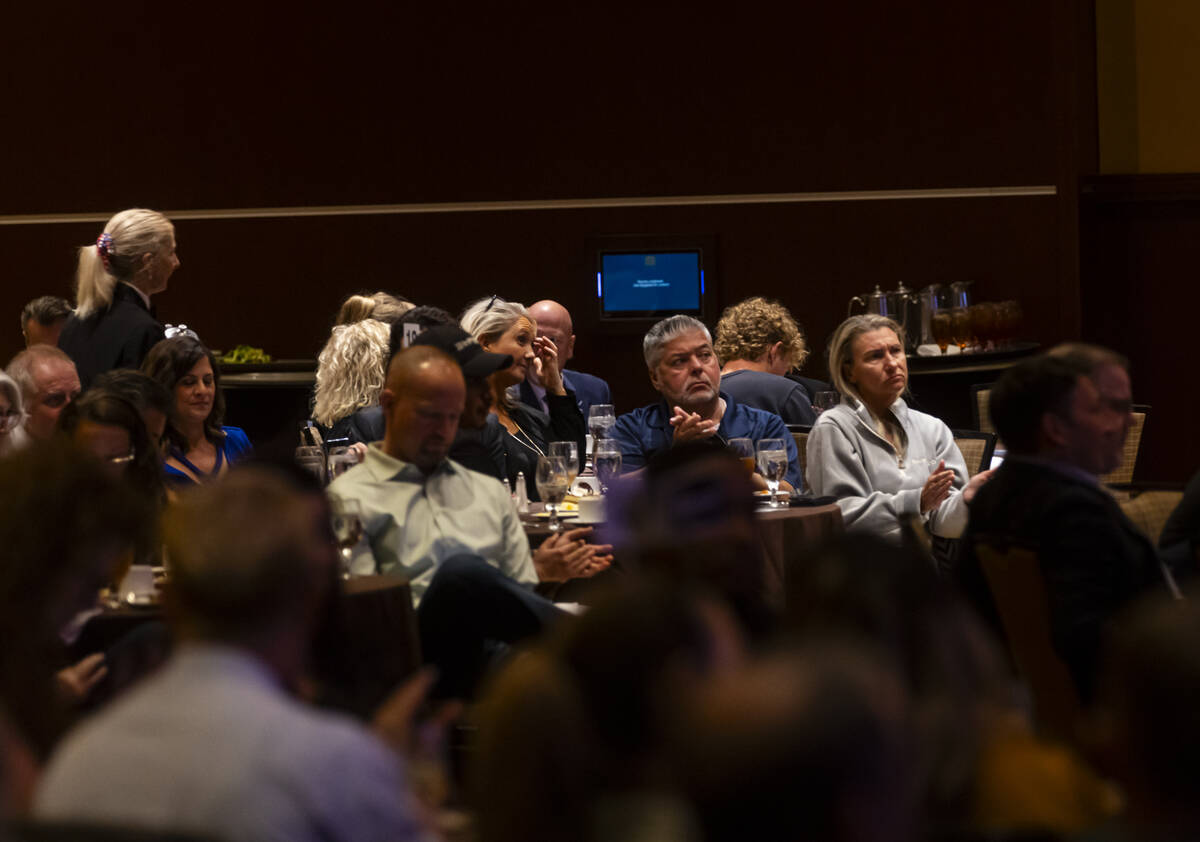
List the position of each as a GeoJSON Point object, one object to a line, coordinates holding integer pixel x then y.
{"type": "Point", "coordinates": [849, 460]}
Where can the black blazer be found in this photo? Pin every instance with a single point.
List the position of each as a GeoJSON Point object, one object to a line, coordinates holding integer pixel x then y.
{"type": "Point", "coordinates": [1094, 561]}
{"type": "Point", "coordinates": [119, 337]}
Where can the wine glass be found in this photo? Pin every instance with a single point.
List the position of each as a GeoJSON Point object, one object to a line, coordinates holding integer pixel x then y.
{"type": "Point", "coordinates": [960, 320]}
{"type": "Point", "coordinates": [600, 420]}
{"type": "Point", "coordinates": [744, 449]}
{"type": "Point", "coordinates": [773, 465]}
{"type": "Point", "coordinates": [608, 463]}
{"type": "Point", "coordinates": [825, 400]}
{"type": "Point", "coordinates": [551, 481]}
{"type": "Point", "coordinates": [347, 530]}
{"type": "Point", "coordinates": [569, 451]}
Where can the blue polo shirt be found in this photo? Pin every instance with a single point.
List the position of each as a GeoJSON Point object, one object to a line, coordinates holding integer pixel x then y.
{"type": "Point", "coordinates": [646, 431]}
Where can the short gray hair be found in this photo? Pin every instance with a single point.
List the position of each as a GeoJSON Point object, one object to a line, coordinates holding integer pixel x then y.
{"type": "Point", "coordinates": [488, 318]}
{"type": "Point", "coordinates": [668, 329]}
{"type": "Point", "coordinates": [20, 368]}
{"type": "Point", "coordinates": [841, 347]}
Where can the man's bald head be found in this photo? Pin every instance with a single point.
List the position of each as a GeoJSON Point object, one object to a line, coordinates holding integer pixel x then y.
{"type": "Point", "coordinates": [553, 321]}
{"type": "Point", "coordinates": [422, 402]}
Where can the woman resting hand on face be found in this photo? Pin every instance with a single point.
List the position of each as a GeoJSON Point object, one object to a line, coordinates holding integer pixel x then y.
{"type": "Point", "coordinates": [505, 327]}
{"type": "Point", "coordinates": [880, 459]}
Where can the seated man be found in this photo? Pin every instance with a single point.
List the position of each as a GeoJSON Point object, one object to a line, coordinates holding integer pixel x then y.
{"type": "Point", "coordinates": [42, 320]}
{"type": "Point", "coordinates": [683, 368]}
{"type": "Point", "coordinates": [214, 744]}
{"type": "Point", "coordinates": [48, 382]}
{"type": "Point", "coordinates": [554, 323]}
{"type": "Point", "coordinates": [759, 342]}
{"type": "Point", "coordinates": [1064, 416]}
{"type": "Point", "coordinates": [420, 508]}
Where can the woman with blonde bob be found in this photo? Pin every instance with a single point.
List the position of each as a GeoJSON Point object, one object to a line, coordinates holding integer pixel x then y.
{"type": "Point", "coordinates": [758, 343]}
{"type": "Point", "coordinates": [351, 371]}
{"type": "Point", "coordinates": [113, 325]}
{"type": "Point", "coordinates": [880, 459]}
{"type": "Point", "coordinates": [505, 327]}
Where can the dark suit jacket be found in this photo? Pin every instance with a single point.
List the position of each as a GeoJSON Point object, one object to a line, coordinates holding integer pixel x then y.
{"type": "Point", "coordinates": [587, 388]}
{"type": "Point", "coordinates": [119, 337]}
{"type": "Point", "coordinates": [1094, 561]}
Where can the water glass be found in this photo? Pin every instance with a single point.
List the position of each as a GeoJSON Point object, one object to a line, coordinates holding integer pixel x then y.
{"type": "Point", "coordinates": [773, 465]}
{"type": "Point", "coordinates": [347, 525]}
{"type": "Point", "coordinates": [600, 420]}
{"type": "Point", "coordinates": [569, 451]}
{"type": "Point", "coordinates": [608, 463]}
{"type": "Point", "coordinates": [551, 479]}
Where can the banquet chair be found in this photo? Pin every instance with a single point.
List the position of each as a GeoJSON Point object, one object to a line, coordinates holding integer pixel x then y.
{"type": "Point", "coordinates": [980, 400]}
{"type": "Point", "coordinates": [800, 436]}
{"type": "Point", "coordinates": [1133, 442]}
{"type": "Point", "coordinates": [1014, 576]}
{"type": "Point", "coordinates": [976, 449]}
{"type": "Point", "coordinates": [1148, 509]}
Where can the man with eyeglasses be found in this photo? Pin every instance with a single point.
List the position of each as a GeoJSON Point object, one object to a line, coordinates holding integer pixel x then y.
{"type": "Point", "coordinates": [48, 382]}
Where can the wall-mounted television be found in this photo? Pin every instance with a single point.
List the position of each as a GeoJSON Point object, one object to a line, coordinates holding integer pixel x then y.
{"type": "Point", "coordinates": [650, 284]}
{"type": "Point", "coordinates": [646, 277]}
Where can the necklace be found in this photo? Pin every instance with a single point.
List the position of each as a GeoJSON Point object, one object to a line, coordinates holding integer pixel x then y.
{"type": "Point", "coordinates": [528, 443]}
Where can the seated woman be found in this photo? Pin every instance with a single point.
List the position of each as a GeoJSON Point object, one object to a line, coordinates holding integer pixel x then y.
{"type": "Point", "coordinates": [759, 342]}
{"type": "Point", "coordinates": [381, 306]}
{"type": "Point", "coordinates": [350, 373]}
{"type": "Point", "coordinates": [505, 327]}
{"type": "Point", "coordinates": [201, 448]}
{"type": "Point", "coordinates": [880, 459]}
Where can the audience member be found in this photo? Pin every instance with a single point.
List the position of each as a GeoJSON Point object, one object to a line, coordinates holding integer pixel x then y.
{"type": "Point", "coordinates": [1147, 722]}
{"type": "Point", "coordinates": [152, 401]}
{"type": "Point", "coordinates": [350, 373]}
{"type": "Point", "coordinates": [201, 447]}
{"type": "Point", "coordinates": [505, 327]}
{"type": "Point", "coordinates": [421, 508]}
{"type": "Point", "coordinates": [415, 321]}
{"type": "Point", "coordinates": [809, 743]}
{"type": "Point", "coordinates": [12, 416]}
{"type": "Point", "coordinates": [684, 370]}
{"type": "Point", "coordinates": [213, 743]}
{"type": "Point", "coordinates": [575, 735]}
{"type": "Point", "coordinates": [380, 306]}
{"type": "Point", "coordinates": [1064, 418]}
{"type": "Point", "coordinates": [110, 429]}
{"type": "Point", "coordinates": [1179, 542]}
{"type": "Point", "coordinates": [43, 318]}
{"type": "Point", "coordinates": [48, 383]}
{"type": "Point", "coordinates": [554, 323]}
{"type": "Point", "coordinates": [879, 458]}
{"type": "Point", "coordinates": [758, 342]}
{"type": "Point", "coordinates": [67, 525]}
{"type": "Point", "coordinates": [114, 325]}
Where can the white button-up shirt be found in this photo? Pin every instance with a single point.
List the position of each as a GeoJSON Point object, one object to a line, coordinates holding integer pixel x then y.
{"type": "Point", "coordinates": [413, 521]}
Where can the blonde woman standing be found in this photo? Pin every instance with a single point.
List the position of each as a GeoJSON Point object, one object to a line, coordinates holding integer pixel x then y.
{"type": "Point", "coordinates": [114, 325]}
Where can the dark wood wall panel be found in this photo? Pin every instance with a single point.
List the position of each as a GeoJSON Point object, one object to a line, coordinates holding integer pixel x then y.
{"type": "Point", "coordinates": [276, 283]}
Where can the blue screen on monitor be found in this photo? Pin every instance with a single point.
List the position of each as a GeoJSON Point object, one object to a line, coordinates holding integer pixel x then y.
{"type": "Point", "coordinates": [650, 283]}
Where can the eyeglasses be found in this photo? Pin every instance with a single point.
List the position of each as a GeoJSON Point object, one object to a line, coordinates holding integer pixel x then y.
{"type": "Point", "coordinates": [121, 460]}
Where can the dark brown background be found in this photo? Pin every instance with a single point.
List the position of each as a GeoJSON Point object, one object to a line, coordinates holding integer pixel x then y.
{"type": "Point", "coordinates": [236, 107]}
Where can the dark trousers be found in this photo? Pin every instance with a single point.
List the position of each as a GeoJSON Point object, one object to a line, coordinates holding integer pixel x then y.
{"type": "Point", "coordinates": [469, 616]}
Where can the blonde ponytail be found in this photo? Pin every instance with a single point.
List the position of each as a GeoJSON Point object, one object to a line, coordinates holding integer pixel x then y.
{"type": "Point", "coordinates": [117, 256]}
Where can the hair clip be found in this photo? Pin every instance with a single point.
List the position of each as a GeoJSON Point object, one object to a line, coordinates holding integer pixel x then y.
{"type": "Point", "coordinates": [172, 331]}
{"type": "Point", "coordinates": [490, 303]}
{"type": "Point", "coordinates": [103, 247]}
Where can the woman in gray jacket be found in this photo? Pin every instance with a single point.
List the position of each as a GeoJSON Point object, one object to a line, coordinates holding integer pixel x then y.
{"type": "Point", "coordinates": [880, 459]}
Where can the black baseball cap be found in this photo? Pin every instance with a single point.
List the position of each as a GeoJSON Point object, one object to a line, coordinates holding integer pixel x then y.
{"type": "Point", "coordinates": [472, 359]}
